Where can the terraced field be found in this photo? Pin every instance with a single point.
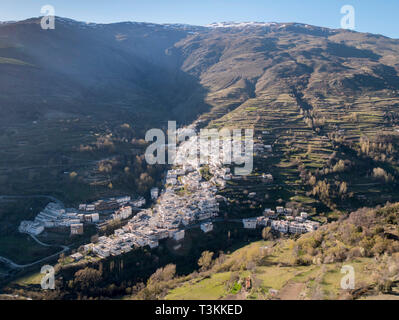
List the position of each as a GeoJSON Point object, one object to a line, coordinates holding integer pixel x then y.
{"type": "Point", "coordinates": [298, 283]}
{"type": "Point", "coordinates": [279, 120]}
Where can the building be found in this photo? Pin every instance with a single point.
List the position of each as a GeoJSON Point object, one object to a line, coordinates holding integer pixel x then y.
{"type": "Point", "coordinates": [262, 221]}
{"type": "Point", "coordinates": [122, 213]}
{"type": "Point", "coordinates": [288, 211]}
{"type": "Point", "coordinates": [76, 256]}
{"type": "Point", "coordinates": [138, 203]}
{"type": "Point", "coordinates": [280, 225]}
{"type": "Point", "coordinates": [206, 227]}
{"type": "Point", "coordinates": [311, 225]}
{"type": "Point", "coordinates": [227, 177]}
{"type": "Point", "coordinates": [154, 193]}
{"type": "Point", "coordinates": [178, 235]}
{"type": "Point", "coordinates": [31, 227]}
{"type": "Point", "coordinates": [267, 177]}
{"type": "Point", "coordinates": [124, 199]}
{"type": "Point", "coordinates": [295, 227]}
{"type": "Point", "coordinates": [154, 243]}
{"type": "Point", "coordinates": [95, 217]}
{"type": "Point", "coordinates": [269, 213]}
{"type": "Point", "coordinates": [280, 210]}
{"type": "Point", "coordinates": [126, 248]}
{"type": "Point", "coordinates": [101, 251]}
{"type": "Point", "coordinates": [90, 207]}
{"type": "Point", "coordinates": [249, 223]}
{"type": "Point", "coordinates": [304, 215]}
{"type": "Point", "coordinates": [110, 204]}
{"type": "Point", "coordinates": [87, 248]}
{"type": "Point", "coordinates": [77, 229]}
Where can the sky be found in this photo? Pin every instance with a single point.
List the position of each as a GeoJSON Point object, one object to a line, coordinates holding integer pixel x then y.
{"type": "Point", "coordinates": [374, 16]}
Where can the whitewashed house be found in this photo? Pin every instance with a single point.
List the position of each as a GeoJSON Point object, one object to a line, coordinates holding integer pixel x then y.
{"type": "Point", "coordinates": [77, 229]}
{"type": "Point", "coordinates": [178, 235]}
{"type": "Point", "coordinates": [249, 223]}
{"type": "Point", "coordinates": [206, 227]}
{"type": "Point", "coordinates": [154, 193]}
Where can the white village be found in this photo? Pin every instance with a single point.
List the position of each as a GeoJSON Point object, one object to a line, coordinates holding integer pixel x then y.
{"type": "Point", "coordinates": [187, 201]}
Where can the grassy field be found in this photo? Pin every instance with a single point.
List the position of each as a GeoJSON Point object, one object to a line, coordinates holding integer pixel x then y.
{"type": "Point", "coordinates": [212, 288]}
{"type": "Point", "coordinates": [326, 279]}
{"type": "Point", "coordinates": [28, 280]}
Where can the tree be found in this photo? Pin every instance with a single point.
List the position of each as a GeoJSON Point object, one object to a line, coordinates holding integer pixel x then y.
{"type": "Point", "coordinates": [312, 180]}
{"type": "Point", "coordinates": [267, 234]}
{"type": "Point", "coordinates": [381, 174]}
{"type": "Point", "coordinates": [73, 175]}
{"type": "Point", "coordinates": [343, 188]}
{"type": "Point", "coordinates": [163, 274]}
{"type": "Point", "coordinates": [205, 261]}
{"type": "Point", "coordinates": [87, 278]}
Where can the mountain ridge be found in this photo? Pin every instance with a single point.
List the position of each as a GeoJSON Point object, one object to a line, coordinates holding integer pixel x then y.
{"type": "Point", "coordinates": [193, 27]}
{"type": "Point", "coordinates": [315, 82]}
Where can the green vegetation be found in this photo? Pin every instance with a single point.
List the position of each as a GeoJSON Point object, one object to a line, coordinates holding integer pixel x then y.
{"type": "Point", "coordinates": [212, 288]}
{"type": "Point", "coordinates": [307, 268]}
{"type": "Point", "coordinates": [326, 101]}
{"type": "Point", "coordinates": [205, 173]}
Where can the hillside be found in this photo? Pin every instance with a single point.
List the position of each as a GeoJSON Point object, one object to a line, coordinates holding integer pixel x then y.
{"type": "Point", "coordinates": [77, 101]}
{"type": "Point", "coordinates": [315, 91]}
{"type": "Point", "coordinates": [305, 268]}
{"type": "Point", "coordinates": [277, 267]}
{"type": "Point", "coordinates": [326, 100]}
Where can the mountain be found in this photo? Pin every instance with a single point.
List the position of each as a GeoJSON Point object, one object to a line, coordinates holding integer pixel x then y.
{"type": "Point", "coordinates": [83, 66]}
{"type": "Point", "coordinates": [77, 101]}
{"type": "Point", "coordinates": [143, 64]}
{"type": "Point", "coordinates": [320, 93]}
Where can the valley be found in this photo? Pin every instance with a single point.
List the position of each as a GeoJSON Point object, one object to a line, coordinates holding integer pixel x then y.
{"type": "Point", "coordinates": [323, 103]}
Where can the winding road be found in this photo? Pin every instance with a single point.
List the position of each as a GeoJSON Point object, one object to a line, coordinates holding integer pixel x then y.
{"type": "Point", "coordinates": [14, 265]}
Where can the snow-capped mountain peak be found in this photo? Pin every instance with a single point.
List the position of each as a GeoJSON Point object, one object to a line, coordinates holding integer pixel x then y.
{"type": "Point", "coordinates": [240, 24]}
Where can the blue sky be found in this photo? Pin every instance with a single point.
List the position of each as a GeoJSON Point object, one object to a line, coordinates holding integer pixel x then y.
{"type": "Point", "coordinates": [371, 15]}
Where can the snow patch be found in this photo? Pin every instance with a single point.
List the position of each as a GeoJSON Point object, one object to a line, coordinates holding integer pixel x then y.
{"type": "Point", "coordinates": [240, 24]}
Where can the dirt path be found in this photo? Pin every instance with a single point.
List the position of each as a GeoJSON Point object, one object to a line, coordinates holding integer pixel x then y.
{"type": "Point", "coordinates": [291, 291]}
{"type": "Point", "coordinates": [242, 295]}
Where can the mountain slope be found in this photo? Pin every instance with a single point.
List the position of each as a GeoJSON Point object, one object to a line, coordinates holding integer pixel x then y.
{"type": "Point", "coordinates": [317, 91]}
{"type": "Point", "coordinates": [77, 101]}
{"type": "Point", "coordinates": [321, 95]}
{"type": "Point", "coordinates": [300, 269]}
{"type": "Point", "coordinates": [81, 66]}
